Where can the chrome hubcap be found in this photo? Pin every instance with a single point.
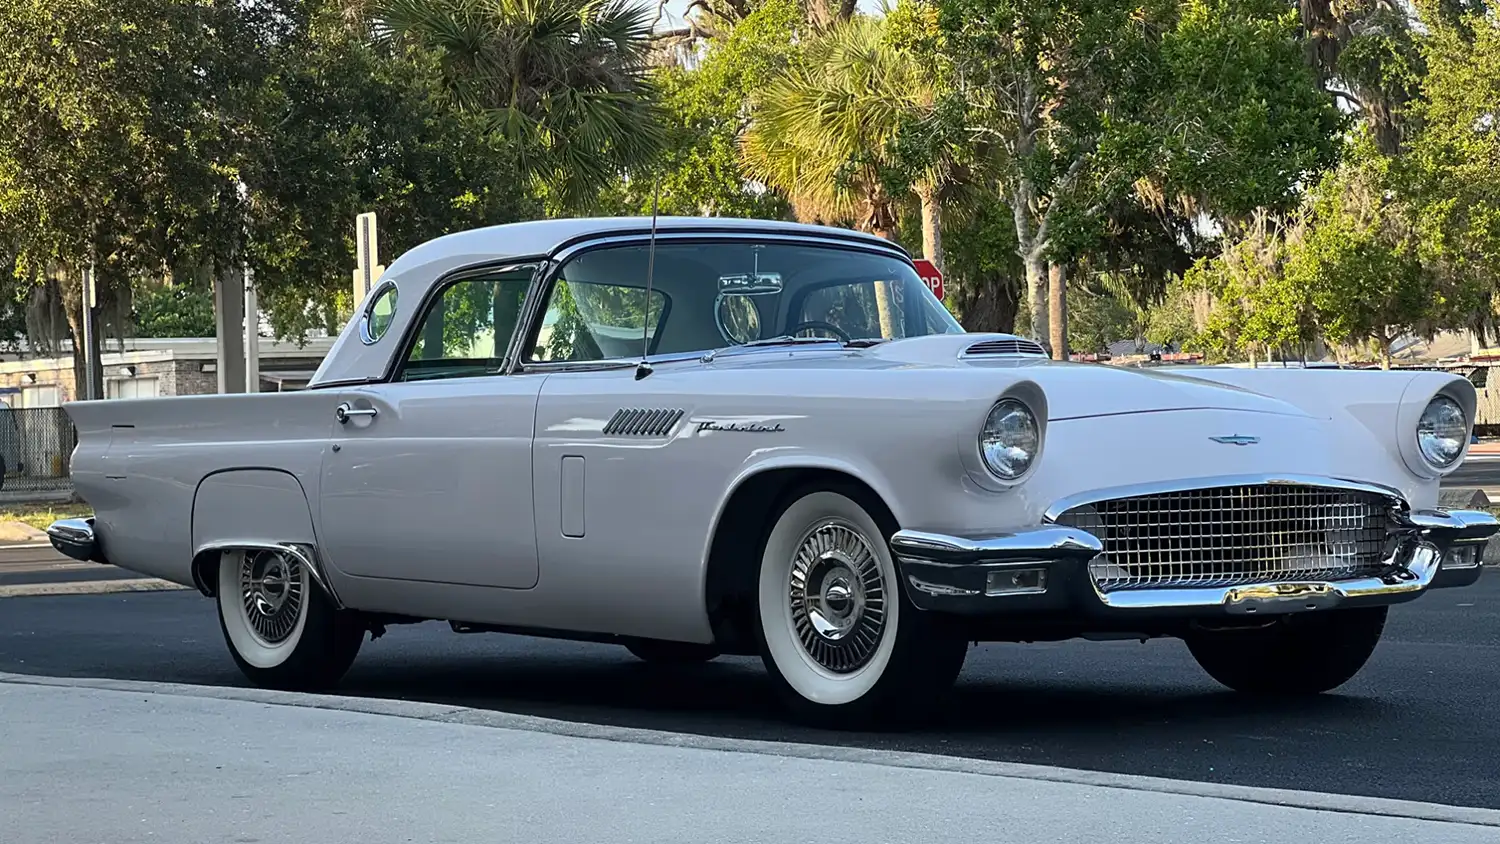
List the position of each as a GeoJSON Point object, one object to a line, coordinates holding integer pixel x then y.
{"type": "Point", "coordinates": [837, 597]}
{"type": "Point", "coordinates": [271, 592]}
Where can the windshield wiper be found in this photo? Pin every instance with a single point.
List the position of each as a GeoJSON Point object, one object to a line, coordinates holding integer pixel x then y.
{"type": "Point", "coordinates": [789, 340]}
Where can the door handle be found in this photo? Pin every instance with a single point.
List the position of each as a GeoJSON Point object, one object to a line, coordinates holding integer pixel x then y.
{"type": "Point", "coordinates": [346, 410]}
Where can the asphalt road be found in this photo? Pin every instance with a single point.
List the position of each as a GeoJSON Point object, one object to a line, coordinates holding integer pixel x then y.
{"type": "Point", "coordinates": [1420, 723]}
{"type": "Point", "coordinates": [1479, 470]}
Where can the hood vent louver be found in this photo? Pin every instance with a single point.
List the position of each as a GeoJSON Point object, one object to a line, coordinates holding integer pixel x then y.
{"type": "Point", "coordinates": [1006, 347]}
{"type": "Point", "coordinates": [641, 422]}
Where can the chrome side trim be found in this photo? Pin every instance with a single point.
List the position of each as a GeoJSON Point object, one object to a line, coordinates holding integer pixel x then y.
{"type": "Point", "coordinates": [75, 538]}
{"type": "Point", "coordinates": [1189, 484]}
{"type": "Point", "coordinates": [304, 554]}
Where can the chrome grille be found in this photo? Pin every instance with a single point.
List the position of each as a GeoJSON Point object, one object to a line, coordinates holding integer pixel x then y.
{"type": "Point", "coordinates": [1226, 536]}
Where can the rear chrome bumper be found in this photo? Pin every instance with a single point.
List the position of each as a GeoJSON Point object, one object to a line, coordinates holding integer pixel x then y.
{"type": "Point", "coordinates": [1046, 568]}
{"type": "Point", "coordinates": [75, 538]}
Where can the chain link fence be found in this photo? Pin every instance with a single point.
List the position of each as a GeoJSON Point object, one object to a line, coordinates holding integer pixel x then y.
{"type": "Point", "coordinates": [35, 447]}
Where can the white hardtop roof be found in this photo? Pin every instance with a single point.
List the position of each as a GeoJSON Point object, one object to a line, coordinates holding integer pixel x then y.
{"type": "Point", "coordinates": [541, 237]}
{"type": "Point", "coordinates": [419, 268]}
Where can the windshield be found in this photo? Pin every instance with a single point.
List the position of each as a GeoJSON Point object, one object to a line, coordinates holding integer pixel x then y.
{"type": "Point", "coordinates": [709, 295]}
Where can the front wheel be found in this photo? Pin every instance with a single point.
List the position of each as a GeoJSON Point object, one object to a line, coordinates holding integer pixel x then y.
{"type": "Point", "coordinates": [281, 629]}
{"type": "Point", "coordinates": [840, 639]}
{"type": "Point", "coordinates": [1296, 655]}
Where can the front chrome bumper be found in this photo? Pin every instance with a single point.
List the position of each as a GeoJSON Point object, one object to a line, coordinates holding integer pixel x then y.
{"type": "Point", "coordinates": [75, 538]}
{"type": "Point", "coordinates": [1045, 568]}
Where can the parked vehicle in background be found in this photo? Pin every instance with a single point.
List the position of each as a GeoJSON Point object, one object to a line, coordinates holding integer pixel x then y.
{"type": "Point", "coordinates": [754, 437]}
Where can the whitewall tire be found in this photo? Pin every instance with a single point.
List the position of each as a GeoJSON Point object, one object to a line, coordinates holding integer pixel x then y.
{"type": "Point", "coordinates": [281, 629]}
{"type": "Point", "coordinates": [843, 644]}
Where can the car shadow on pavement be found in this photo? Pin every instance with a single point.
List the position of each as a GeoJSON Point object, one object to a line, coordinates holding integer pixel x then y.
{"type": "Point", "coordinates": [733, 697]}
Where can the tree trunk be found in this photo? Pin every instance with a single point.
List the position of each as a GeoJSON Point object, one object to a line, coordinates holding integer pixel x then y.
{"type": "Point", "coordinates": [989, 304]}
{"type": "Point", "coordinates": [1036, 298]}
{"type": "Point", "coordinates": [1057, 310]}
{"type": "Point", "coordinates": [932, 226]}
{"type": "Point", "coordinates": [882, 222]}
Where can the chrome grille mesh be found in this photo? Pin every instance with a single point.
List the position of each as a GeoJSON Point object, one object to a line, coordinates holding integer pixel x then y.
{"type": "Point", "coordinates": [1226, 536]}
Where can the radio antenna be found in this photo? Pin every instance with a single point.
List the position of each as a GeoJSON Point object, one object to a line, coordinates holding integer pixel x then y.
{"type": "Point", "coordinates": [644, 367]}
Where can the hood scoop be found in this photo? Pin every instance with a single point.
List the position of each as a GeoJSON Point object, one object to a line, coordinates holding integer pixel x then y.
{"type": "Point", "coordinates": [1011, 347]}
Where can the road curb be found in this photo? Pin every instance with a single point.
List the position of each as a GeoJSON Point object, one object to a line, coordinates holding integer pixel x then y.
{"type": "Point", "coordinates": [446, 713]}
{"type": "Point", "coordinates": [89, 587]}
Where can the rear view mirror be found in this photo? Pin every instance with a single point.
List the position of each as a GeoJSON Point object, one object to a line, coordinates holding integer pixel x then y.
{"type": "Point", "coordinates": [750, 284]}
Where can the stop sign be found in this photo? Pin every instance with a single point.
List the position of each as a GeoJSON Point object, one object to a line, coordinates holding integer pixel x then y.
{"type": "Point", "coordinates": [931, 276]}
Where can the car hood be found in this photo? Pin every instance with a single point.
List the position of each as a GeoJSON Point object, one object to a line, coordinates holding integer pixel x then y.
{"type": "Point", "coordinates": [1078, 390]}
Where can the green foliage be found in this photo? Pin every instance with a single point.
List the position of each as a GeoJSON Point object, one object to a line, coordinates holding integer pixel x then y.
{"type": "Point", "coordinates": [1384, 245]}
{"type": "Point", "coordinates": [1228, 136]}
{"type": "Point", "coordinates": [826, 129]}
{"type": "Point", "coordinates": [1101, 313]}
{"type": "Point", "coordinates": [1454, 158]}
{"type": "Point", "coordinates": [1255, 307]}
{"type": "Point", "coordinates": [707, 111]}
{"type": "Point", "coordinates": [173, 311]}
{"type": "Point", "coordinates": [564, 81]}
{"type": "Point", "coordinates": [121, 132]}
{"type": "Point", "coordinates": [349, 127]}
{"type": "Point", "coordinates": [1358, 259]}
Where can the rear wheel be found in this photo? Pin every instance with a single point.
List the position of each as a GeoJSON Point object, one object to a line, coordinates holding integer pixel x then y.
{"type": "Point", "coordinates": [671, 653]}
{"type": "Point", "coordinates": [1297, 655]}
{"type": "Point", "coordinates": [281, 629]}
{"type": "Point", "coordinates": [843, 644]}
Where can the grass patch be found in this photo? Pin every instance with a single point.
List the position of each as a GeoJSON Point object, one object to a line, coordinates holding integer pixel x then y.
{"type": "Point", "coordinates": [40, 516]}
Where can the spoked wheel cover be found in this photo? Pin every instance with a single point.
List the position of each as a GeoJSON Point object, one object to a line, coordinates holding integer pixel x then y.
{"type": "Point", "coordinates": [264, 596]}
{"type": "Point", "coordinates": [828, 605]}
{"type": "Point", "coordinates": [272, 594]}
{"type": "Point", "coordinates": [836, 595]}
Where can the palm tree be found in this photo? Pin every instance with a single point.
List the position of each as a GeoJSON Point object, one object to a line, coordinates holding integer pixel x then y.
{"type": "Point", "coordinates": [827, 132]}
{"type": "Point", "coordinates": [567, 81]}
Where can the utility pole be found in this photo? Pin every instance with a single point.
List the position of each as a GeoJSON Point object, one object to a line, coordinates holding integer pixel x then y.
{"type": "Point", "coordinates": [252, 333]}
{"type": "Point", "coordinates": [90, 361]}
{"type": "Point", "coordinates": [367, 267]}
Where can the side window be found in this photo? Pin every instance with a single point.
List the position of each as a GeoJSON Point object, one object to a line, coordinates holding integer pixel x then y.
{"type": "Point", "coordinates": [467, 328]}
{"type": "Point", "coordinates": [588, 321]}
{"type": "Point", "coordinates": [377, 317]}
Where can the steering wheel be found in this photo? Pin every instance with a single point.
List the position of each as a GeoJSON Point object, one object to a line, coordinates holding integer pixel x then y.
{"type": "Point", "coordinates": [825, 326]}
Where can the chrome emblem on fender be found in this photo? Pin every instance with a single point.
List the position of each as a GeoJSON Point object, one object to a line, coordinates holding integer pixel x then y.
{"type": "Point", "coordinates": [1237, 439]}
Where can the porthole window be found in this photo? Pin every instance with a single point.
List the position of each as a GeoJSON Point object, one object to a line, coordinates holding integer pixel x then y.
{"type": "Point", "coordinates": [378, 315]}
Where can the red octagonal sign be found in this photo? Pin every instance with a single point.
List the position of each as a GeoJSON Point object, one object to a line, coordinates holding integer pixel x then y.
{"type": "Point", "coordinates": [931, 276]}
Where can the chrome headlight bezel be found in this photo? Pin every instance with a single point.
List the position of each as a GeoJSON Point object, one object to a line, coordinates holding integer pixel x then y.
{"type": "Point", "coordinates": [1427, 432]}
{"type": "Point", "coordinates": [1421, 392]}
{"type": "Point", "coordinates": [1012, 425]}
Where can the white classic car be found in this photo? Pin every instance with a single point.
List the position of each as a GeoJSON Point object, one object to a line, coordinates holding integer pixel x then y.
{"type": "Point", "coordinates": [762, 438]}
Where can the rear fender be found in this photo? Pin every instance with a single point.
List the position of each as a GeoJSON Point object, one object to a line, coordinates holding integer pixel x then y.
{"type": "Point", "coordinates": [245, 509]}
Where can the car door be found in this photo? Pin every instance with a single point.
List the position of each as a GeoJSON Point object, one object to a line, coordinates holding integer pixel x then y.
{"type": "Point", "coordinates": [427, 477]}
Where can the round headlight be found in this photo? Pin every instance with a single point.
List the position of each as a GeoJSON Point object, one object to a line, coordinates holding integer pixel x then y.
{"type": "Point", "coordinates": [1441, 431]}
{"type": "Point", "coordinates": [1010, 438]}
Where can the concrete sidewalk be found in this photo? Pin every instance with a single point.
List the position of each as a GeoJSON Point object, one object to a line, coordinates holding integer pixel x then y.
{"type": "Point", "coordinates": [134, 762]}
